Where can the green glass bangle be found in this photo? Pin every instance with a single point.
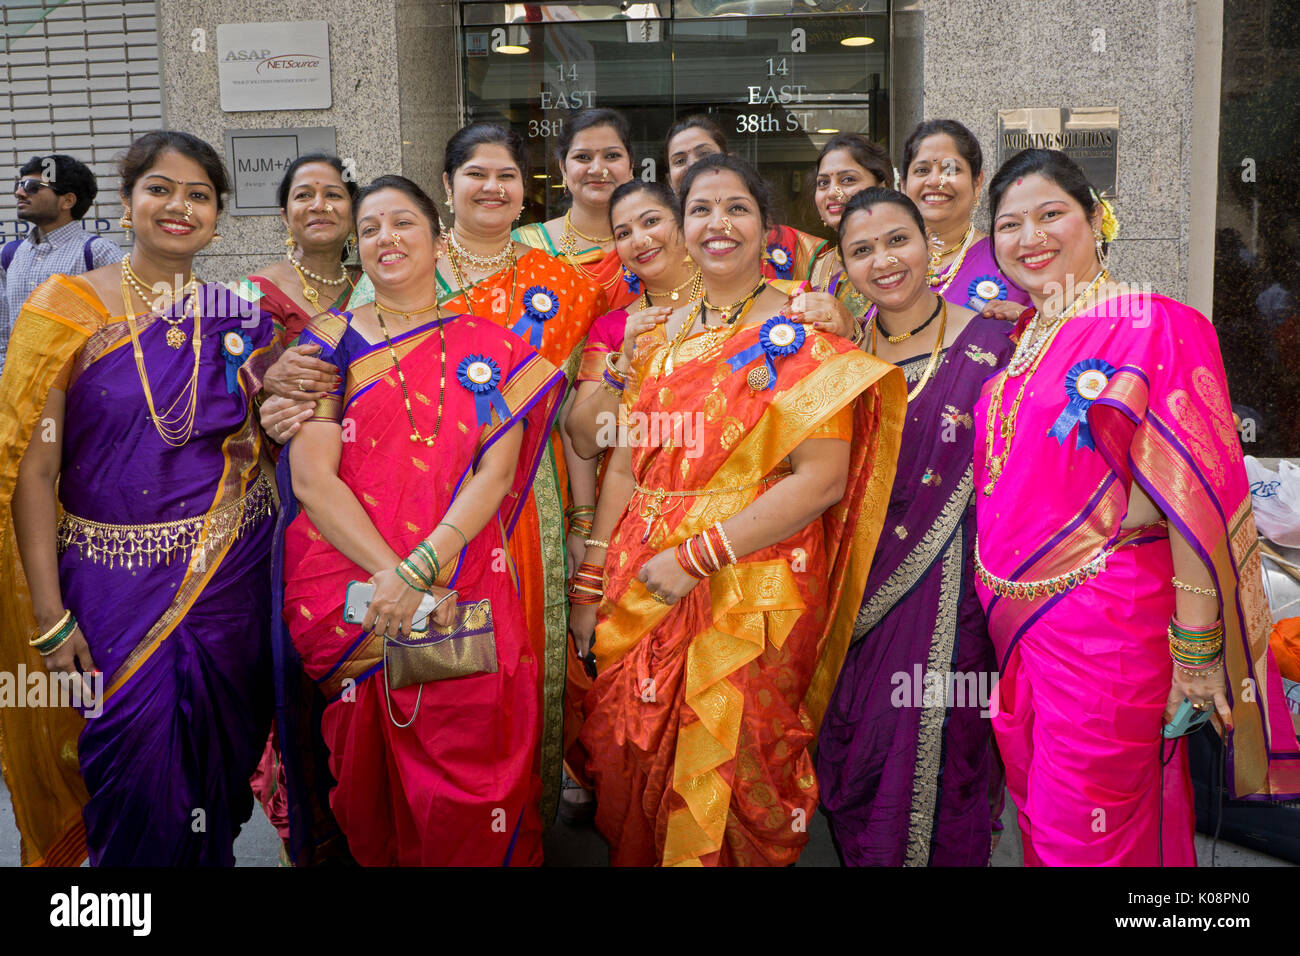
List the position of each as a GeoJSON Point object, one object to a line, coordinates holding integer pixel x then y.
{"type": "Point", "coordinates": [430, 554]}
{"type": "Point", "coordinates": [464, 541]}
{"type": "Point", "coordinates": [432, 570]}
{"type": "Point", "coordinates": [403, 569]}
{"type": "Point", "coordinates": [53, 644]}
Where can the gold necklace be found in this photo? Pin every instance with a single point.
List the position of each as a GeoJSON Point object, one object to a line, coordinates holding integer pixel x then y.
{"type": "Point", "coordinates": [945, 279]}
{"type": "Point", "coordinates": [466, 286]}
{"type": "Point", "coordinates": [1034, 344]}
{"type": "Point", "coordinates": [174, 432]}
{"type": "Point", "coordinates": [569, 248]}
{"type": "Point", "coordinates": [737, 306]}
{"type": "Point", "coordinates": [570, 227]}
{"type": "Point", "coordinates": [406, 315]}
{"type": "Point", "coordinates": [696, 282]}
{"type": "Point", "coordinates": [310, 294]}
{"type": "Point", "coordinates": [717, 336]}
{"type": "Point", "coordinates": [175, 337]}
{"type": "Point", "coordinates": [898, 339]}
{"type": "Point", "coordinates": [401, 379]}
{"type": "Point", "coordinates": [493, 263]}
{"type": "Point", "coordinates": [934, 353]}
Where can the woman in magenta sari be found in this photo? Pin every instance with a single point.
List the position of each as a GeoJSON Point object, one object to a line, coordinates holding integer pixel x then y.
{"type": "Point", "coordinates": [904, 756]}
{"type": "Point", "coordinates": [427, 451]}
{"type": "Point", "coordinates": [155, 576]}
{"type": "Point", "coordinates": [1115, 538]}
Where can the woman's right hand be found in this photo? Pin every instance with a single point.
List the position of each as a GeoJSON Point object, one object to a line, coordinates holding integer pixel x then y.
{"type": "Point", "coordinates": [582, 622]}
{"type": "Point", "coordinates": [72, 652]}
{"type": "Point", "coordinates": [639, 324]}
{"type": "Point", "coordinates": [298, 376]}
{"type": "Point", "coordinates": [282, 417]}
{"type": "Point", "coordinates": [392, 605]}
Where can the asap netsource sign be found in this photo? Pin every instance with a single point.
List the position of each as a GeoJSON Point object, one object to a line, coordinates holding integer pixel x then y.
{"type": "Point", "coordinates": [274, 66]}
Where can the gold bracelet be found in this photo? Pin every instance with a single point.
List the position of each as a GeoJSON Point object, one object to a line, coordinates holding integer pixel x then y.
{"type": "Point", "coordinates": [1183, 586]}
{"type": "Point", "coordinates": [593, 543]}
{"type": "Point", "coordinates": [58, 625]}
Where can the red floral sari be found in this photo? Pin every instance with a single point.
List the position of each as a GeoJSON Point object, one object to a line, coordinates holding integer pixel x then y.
{"type": "Point", "coordinates": [459, 785]}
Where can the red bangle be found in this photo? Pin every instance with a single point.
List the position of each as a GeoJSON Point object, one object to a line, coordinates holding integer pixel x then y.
{"type": "Point", "coordinates": [683, 555]}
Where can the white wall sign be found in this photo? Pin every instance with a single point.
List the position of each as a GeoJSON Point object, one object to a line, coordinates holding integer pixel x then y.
{"type": "Point", "coordinates": [258, 159]}
{"type": "Point", "coordinates": [274, 66]}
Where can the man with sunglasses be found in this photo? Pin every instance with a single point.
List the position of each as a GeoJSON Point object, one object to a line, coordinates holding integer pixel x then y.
{"type": "Point", "coordinates": [53, 193]}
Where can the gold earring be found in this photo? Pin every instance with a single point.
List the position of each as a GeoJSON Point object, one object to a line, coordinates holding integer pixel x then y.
{"type": "Point", "coordinates": [125, 221]}
{"type": "Point", "coordinates": [216, 237]}
{"type": "Point", "coordinates": [290, 242]}
{"type": "Point", "coordinates": [352, 243]}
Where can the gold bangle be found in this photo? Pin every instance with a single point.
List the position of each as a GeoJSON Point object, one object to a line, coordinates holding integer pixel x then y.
{"type": "Point", "coordinates": [1183, 586]}
{"type": "Point", "coordinates": [58, 625]}
{"type": "Point", "coordinates": [611, 366]}
{"type": "Point", "coordinates": [593, 543]}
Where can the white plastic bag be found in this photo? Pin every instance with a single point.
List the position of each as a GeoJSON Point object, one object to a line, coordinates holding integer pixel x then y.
{"type": "Point", "coordinates": [1275, 497]}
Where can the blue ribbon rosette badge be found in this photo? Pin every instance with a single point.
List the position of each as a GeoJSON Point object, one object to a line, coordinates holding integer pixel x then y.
{"type": "Point", "coordinates": [782, 261]}
{"type": "Point", "coordinates": [1084, 382]}
{"type": "Point", "coordinates": [540, 305]}
{"type": "Point", "coordinates": [235, 346]}
{"type": "Point", "coordinates": [778, 336]}
{"type": "Point", "coordinates": [632, 280]}
{"type": "Point", "coordinates": [984, 290]}
{"type": "Point", "coordinates": [480, 375]}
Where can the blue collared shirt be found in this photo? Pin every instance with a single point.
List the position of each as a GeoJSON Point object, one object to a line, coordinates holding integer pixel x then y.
{"type": "Point", "coordinates": [40, 256]}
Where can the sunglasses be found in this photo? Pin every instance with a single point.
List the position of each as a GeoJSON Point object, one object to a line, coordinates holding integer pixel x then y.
{"type": "Point", "coordinates": [31, 186]}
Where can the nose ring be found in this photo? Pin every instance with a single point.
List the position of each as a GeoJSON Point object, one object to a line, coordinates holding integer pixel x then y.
{"type": "Point", "coordinates": [189, 209]}
{"type": "Point", "coordinates": [726, 225]}
{"type": "Point", "coordinates": [1041, 235]}
{"type": "Point", "coordinates": [839, 194]}
{"type": "Point", "coordinates": [604, 173]}
{"type": "Point", "coordinates": [645, 241]}
{"type": "Point", "coordinates": [501, 189]}
{"type": "Point", "coordinates": [892, 260]}
{"type": "Point", "coordinates": [329, 208]}
{"type": "Point", "coordinates": [396, 238]}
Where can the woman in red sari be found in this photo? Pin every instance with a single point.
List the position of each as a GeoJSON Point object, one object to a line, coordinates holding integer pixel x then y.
{"type": "Point", "coordinates": [708, 695]}
{"type": "Point", "coordinates": [428, 449]}
{"type": "Point", "coordinates": [595, 152]}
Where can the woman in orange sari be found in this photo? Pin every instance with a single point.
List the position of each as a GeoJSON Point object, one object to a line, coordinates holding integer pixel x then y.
{"type": "Point", "coordinates": [708, 695]}
{"type": "Point", "coordinates": [595, 152]}
{"type": "Point", "coordinates": [426, 450]}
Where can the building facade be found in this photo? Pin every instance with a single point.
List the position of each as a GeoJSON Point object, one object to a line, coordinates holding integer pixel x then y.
{"type": "Point", "coordinates": [1204, 99]}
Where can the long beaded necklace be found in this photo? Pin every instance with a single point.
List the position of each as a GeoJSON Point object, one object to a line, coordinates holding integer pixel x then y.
{"type": "Point", "coordinates": [174, 431]}
{"type": "Point", "coordinates": [465, 287]}
{"type": "Point", "coordinates": [945, 279]}
{"type": "Point", "coordinates": [310, 294]}
{"type": "Point", "coordinates": [1034, 344]}
{"type": "Point", "coordinates": [175, 337]}
{"type": "Point", "coordinates": [940, 309]}
{"type": "Point", "coordinates": [401, 378]}
{"type": "Point", "coordinates": [493, 263]}
{"type": "Point", "coordinates": [569, 248]}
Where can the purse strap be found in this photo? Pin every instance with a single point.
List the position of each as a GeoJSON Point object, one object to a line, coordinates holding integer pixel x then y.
{"type": "Point", "coordinates": [388, 694]}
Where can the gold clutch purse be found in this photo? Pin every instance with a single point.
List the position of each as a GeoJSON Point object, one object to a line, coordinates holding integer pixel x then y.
{"type": "Point", "coordinates": [467, 646]}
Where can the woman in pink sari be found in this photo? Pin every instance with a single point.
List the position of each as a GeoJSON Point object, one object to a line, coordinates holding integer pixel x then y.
{"type": "Point", "coordinates": [1114, 533]}
{"type": "Point", "coordinates": [411, 476]}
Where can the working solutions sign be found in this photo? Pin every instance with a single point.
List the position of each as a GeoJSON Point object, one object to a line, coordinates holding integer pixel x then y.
{"type": "Point", "coordinates": [274, 66]}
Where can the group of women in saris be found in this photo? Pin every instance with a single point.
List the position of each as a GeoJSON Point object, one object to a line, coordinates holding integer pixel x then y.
{"type": "Point", "coordinates": [780, 484]}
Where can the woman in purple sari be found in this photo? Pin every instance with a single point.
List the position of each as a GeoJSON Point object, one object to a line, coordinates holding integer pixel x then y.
{"type": "Point", "coordinates": [127, 403]}
{"type": "Point", "coordinates": [904, 757]}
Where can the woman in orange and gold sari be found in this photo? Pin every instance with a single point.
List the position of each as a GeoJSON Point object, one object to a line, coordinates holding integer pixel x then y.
{"type": "Point", "coordinates": [595, 152]}
{"type": "Point", "coordinates": [708, 694]}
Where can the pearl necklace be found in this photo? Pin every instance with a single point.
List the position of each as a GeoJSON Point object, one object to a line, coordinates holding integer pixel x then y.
{"type": "Point", "coordinates": [175, 337]}
{"type": "Point", "coordinates": [945, 279]}
{"type": "Point", "coordinates": [493, 263]}
{"type": "Point", "coordinates": [343, 274]}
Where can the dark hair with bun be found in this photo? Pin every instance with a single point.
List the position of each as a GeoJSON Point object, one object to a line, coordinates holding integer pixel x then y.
{"type": "Point", "coordinates": [411, 190]}
{"type": "Point", "coordinates": [874, 196]}
{"type": "Point", "coordinates": [1051, 164]}
{"type": "Point", "coordinates": [754, 184]}
{"type": "Point", "coordinates": [142, 154]}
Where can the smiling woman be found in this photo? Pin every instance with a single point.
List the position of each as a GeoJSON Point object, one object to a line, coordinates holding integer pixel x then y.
{"type": "Point", "coordinates": [151, 567]}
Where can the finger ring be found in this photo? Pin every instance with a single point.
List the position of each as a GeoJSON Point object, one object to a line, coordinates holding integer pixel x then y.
{"type": "Point", "coordinates": [301, 386]}
{"type": "Point", "coordinates": [1206, 705]}
{"type": "Point", "coordinates": [660, 598]}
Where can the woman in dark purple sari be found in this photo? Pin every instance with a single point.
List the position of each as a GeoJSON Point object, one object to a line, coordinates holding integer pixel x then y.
{"type": "Point", "coordinates": [153, 586]}
{"type": "Point", "coordinates": [904, 755]}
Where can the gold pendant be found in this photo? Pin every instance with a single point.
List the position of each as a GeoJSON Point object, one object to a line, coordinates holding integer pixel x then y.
{"type": "Point", "coordinates": [312, 296]}
{"type": "Point", "coordinates": [175, 337]}
{"type": "Point", "coordinates": [758, 378]}
{"type": "Point", "coordinates": [673, 296]}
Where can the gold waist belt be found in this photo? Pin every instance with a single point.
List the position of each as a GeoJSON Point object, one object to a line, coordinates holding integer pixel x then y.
{"type": "Point", "coordinates": [140, 545]}
{"type": "Point", "coordinates": [1029, 590]}
{"type": "Point", "coordinates": [653, 509]}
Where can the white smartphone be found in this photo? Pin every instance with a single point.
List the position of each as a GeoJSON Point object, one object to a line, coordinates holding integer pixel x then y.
{"type": "Point", "coordinates": [356, 603]}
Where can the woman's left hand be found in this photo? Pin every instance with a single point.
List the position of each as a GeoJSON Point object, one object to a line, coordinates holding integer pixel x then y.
{"type": "Point", "coordinates": [1200, 691]}
{"type": "Point", "coordinates": [664, 577]}
{"type": "Point", "coordinates": [823, 312]}
{"type": "Point", "coordinates": [575, 546]}
{"type": "Point", "coordinates": [392, 605]}
{"type": "Point", "coordinates": [1003, 309]}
